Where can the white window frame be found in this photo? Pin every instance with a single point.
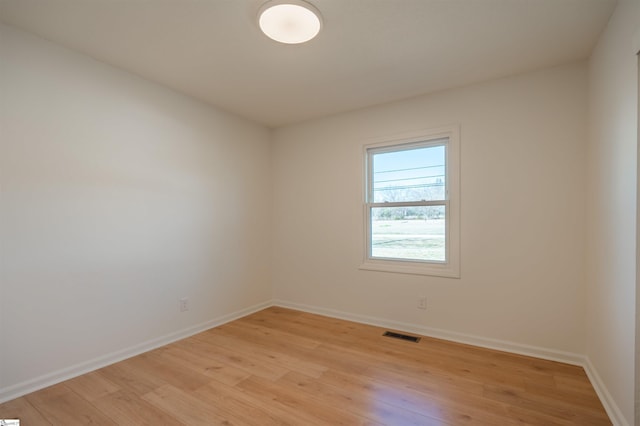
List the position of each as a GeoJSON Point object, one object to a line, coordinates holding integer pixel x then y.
{"type": "Point", "coordinates": [449, 137]}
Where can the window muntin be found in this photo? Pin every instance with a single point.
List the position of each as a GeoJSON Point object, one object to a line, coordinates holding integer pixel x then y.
{"type": "Point", "coordinates": [411, 204]}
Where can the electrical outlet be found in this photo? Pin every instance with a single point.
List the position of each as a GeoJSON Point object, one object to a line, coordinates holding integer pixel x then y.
{"type": "Point", "coordinates": [422, 303]}
{"type": "Point", "coordinates": [184, 304]}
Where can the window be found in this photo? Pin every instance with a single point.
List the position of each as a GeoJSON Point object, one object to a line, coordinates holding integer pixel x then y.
{"type": "Point", "coordinates": [411, 204]}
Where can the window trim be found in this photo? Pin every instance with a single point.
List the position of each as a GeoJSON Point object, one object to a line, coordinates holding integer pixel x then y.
{"type": "Point", "coordinates": [448, 136]}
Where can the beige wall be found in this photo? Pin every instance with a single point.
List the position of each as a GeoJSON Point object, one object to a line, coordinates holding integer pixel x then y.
{"type": "Point", "coordinates": [612, 171]}
{"type": "Point", "coordinates": [118, 198]}
{"type": "Point", "coordinates": [522, 217]}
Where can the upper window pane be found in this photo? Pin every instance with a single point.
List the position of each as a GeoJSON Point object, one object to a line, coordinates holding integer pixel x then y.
{"type": "Point", "coordinates": [413, 174]}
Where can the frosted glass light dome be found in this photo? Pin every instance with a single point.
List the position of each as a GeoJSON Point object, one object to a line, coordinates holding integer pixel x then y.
{"type": "Point", "coordinates": [289, 21]}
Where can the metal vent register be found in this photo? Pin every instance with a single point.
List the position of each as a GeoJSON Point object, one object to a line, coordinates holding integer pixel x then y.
{"type": "Point", "coordinates": [401, 336]}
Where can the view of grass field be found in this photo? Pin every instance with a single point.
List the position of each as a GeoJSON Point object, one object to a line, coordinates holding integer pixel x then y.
{"type": "Point", "coordinates": [412, 239]}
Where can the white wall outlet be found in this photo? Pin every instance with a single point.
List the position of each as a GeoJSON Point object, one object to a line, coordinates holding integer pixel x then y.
{"type": "Point", "coordinates": [184, 304]}
{"type": "Point", "coordinates": [422, 303]}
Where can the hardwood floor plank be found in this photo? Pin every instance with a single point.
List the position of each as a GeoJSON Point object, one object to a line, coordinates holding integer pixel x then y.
{"type": "Point", "coordinates": [170, 371]}
{"type": "Point", "coordinates": [267, 354]}
{"type": "Point", "coordinates": [267, 335]}
{"type": "Point", "coordinates": [246, 409]}
{"type": "Point", "coordinates": [456, 408]}
{"type": "Point", "coordinates": [127, 376]}
{"type": "Point", "coordinates": [128, 409]}
{"type": "Point", "coordinates": [291, 399]}
{"type": "Point", "coordinates": [92, 386]}
{"type": "Point", "coordinates": [557, 408]}
{"type": "Point", "coordinates": [61, 406]}
{"type": "Point", "coordinates": [22, 409]}
{"type": "Point", "coordinates": [186, 408]}
{"type": "Point", "coordinates": [385, 412]}
{"type": "Point", "coordinates": [569, 396]}
{"type": "Point", "coordinates": [576, 384]}
{"type": "Point", "coordinates": [536, 418]}
{"type": "Point", "coordinates": [426, 375]}
{"type": "Point", "coordinates": [236, 358]}
{"type": "Point", "coordinates": [200, 362]}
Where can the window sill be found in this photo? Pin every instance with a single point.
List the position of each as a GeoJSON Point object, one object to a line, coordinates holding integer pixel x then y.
{"type": "Point", "coordinates": [413, 268]}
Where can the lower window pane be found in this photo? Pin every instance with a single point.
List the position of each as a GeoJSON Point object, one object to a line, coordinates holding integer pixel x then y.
{"type": "Point", "coordinates": [408, 233]}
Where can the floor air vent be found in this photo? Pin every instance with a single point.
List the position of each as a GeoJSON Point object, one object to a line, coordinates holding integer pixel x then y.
{"type": "Point", "coordinates": [401, 336]}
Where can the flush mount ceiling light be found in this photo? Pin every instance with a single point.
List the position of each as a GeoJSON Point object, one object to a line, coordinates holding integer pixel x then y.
{"type": "Point", "coordinates": [289, 21]}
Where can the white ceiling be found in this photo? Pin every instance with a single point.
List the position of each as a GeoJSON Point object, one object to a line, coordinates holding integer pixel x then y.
{"type": "Point", "coordinates": [369, 51]}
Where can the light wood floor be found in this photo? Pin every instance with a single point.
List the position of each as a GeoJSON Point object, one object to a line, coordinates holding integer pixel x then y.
{"type": "Point", "coordinates": [280, 366]}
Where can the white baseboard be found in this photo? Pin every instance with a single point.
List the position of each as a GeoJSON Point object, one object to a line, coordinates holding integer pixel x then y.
{"type": "Point", "coordinates": [500, 345]}
{"type": "Point", "coordinates": [610, 406]}
{"type": "Point", "coordinates": [67, 373]}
